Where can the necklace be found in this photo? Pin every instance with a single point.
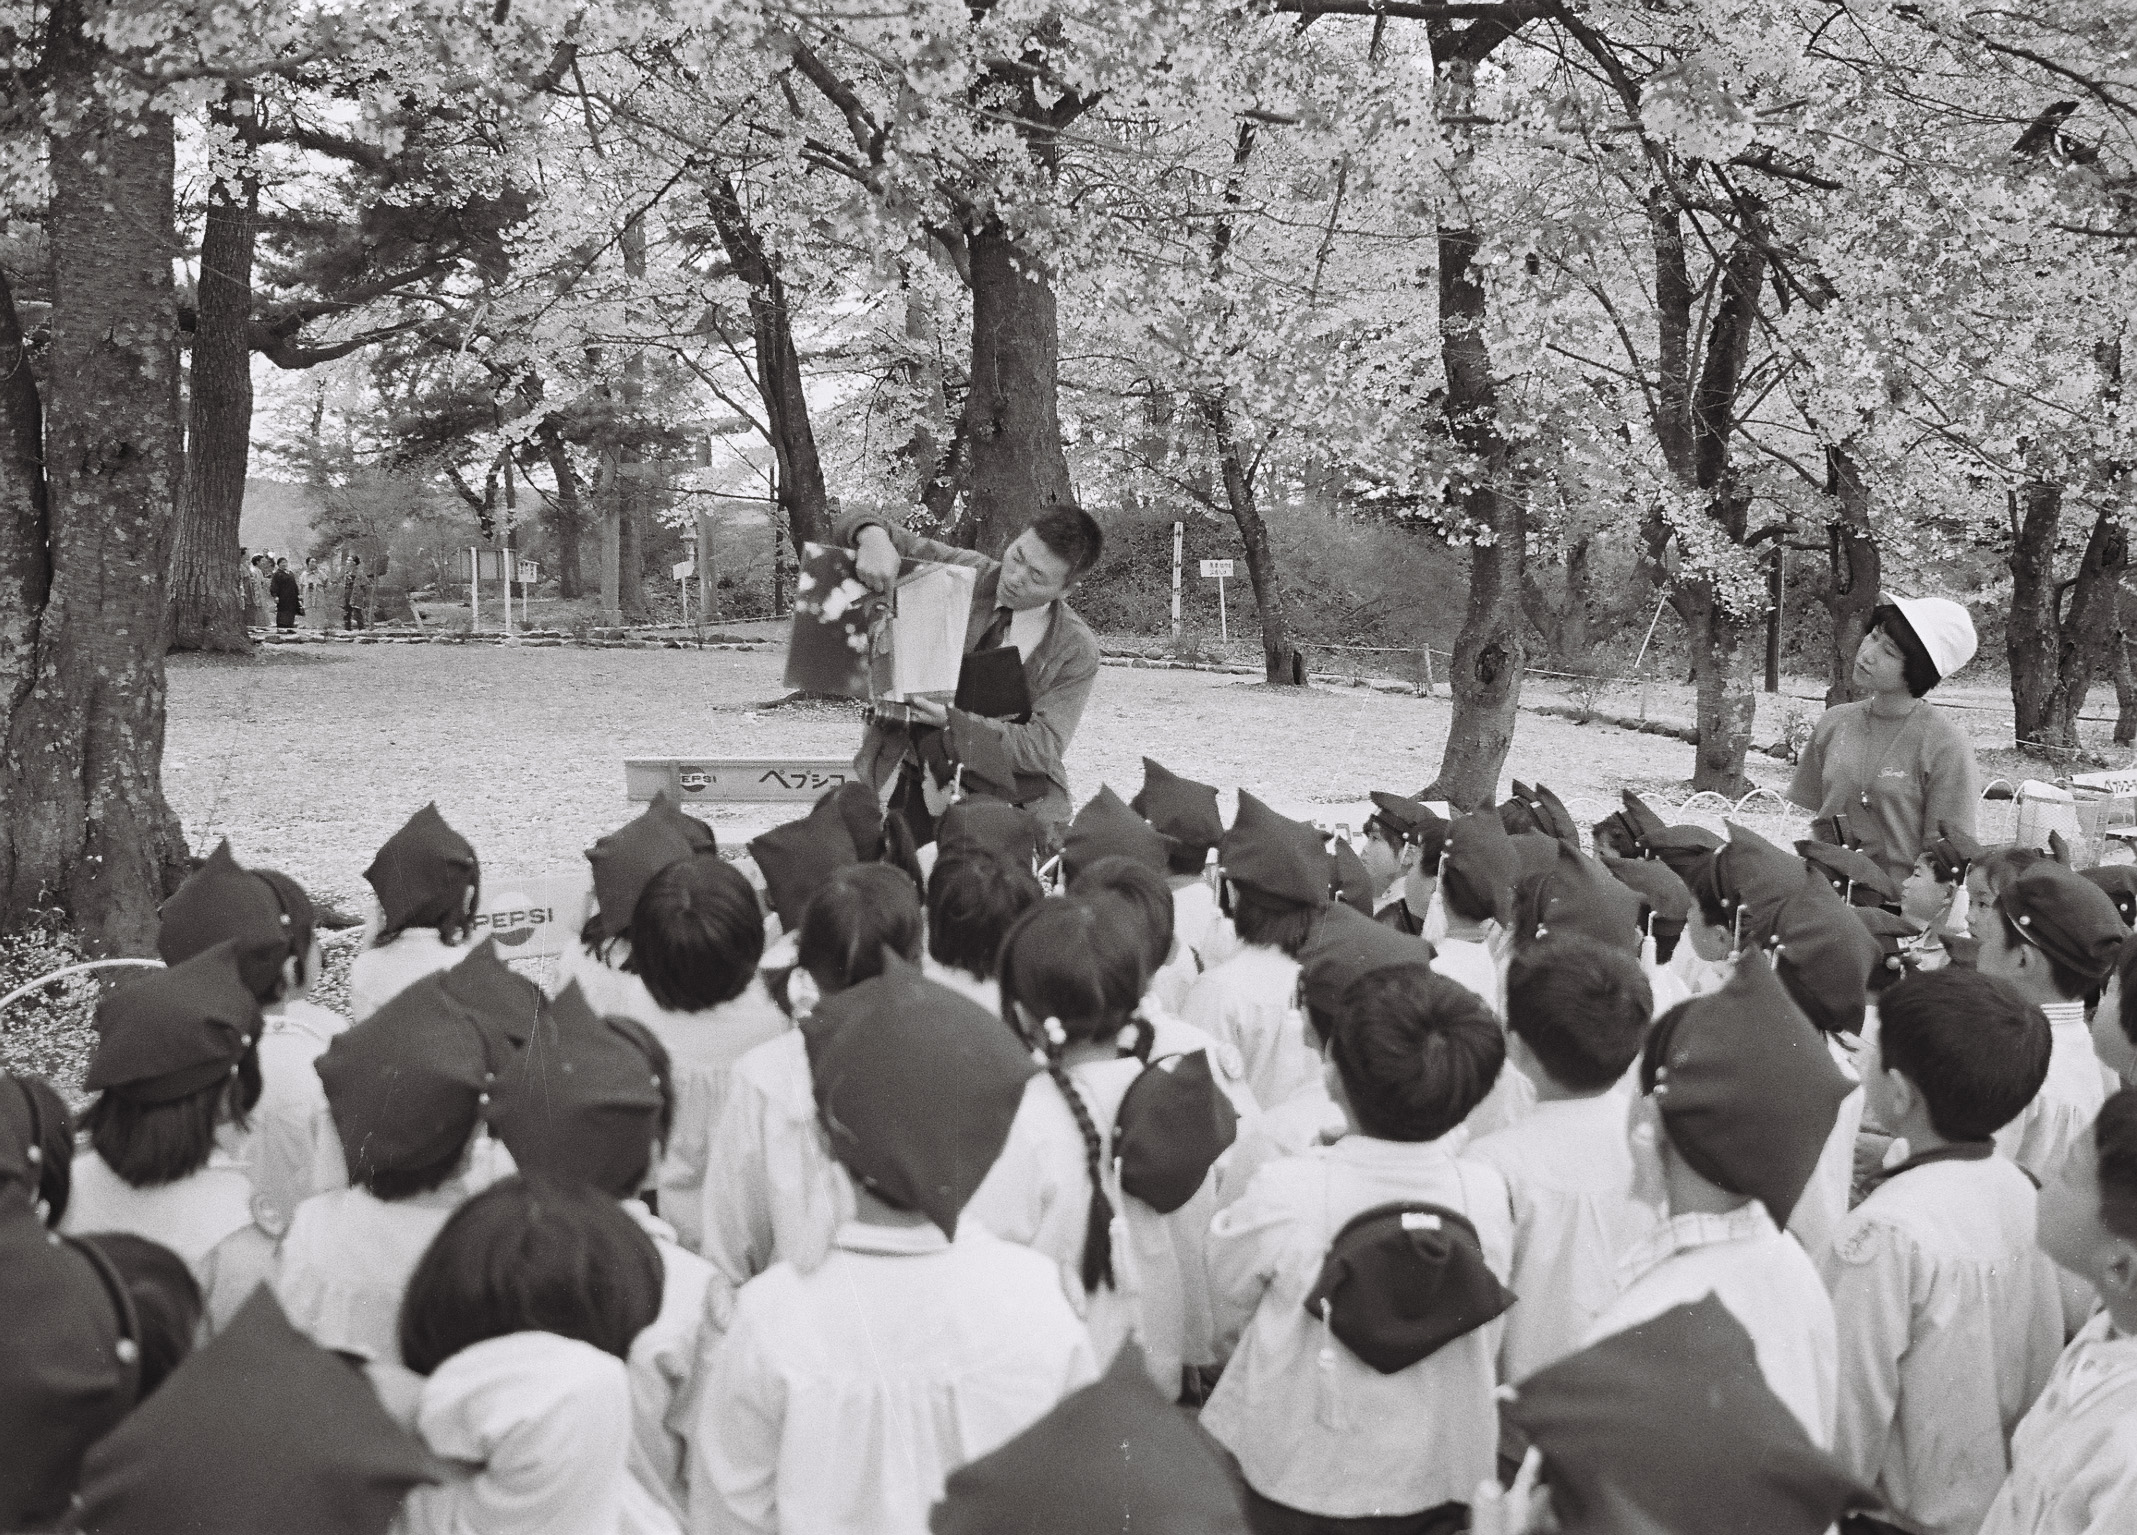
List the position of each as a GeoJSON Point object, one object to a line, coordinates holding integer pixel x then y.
{"type": "Point", "coordinates": [1870, 773]}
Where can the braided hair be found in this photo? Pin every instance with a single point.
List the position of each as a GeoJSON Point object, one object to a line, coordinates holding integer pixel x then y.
{"type": "Point", "coordinates": [1072, 973]}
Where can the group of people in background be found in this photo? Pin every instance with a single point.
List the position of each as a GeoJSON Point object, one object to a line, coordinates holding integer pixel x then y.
{"type": "Point", "coordinates": [962, 1172]}
{"type": "Point", "coordinates": [318, 593]}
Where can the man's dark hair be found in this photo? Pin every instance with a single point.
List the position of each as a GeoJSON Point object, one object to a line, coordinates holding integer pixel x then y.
{"type": "Point", "coordinates": [974, 899]}
{"type": "Point", "coordinates": [1971, 1044]}
{"type": "Point", "coordinates": [1280, 925]}
{"type": "Point", "coordinates": [2114, 1136]}
{"type": "Point", "coordinates": [1073, 535]}
{"type": "Point", "coordinates": [151, 1144]}
{"type": "Point", "coordinates": [1916, 669]}
{"type": "Point", "coordinates": [1581, 1007]}
{"type": "Point", "coordinates": [1415, 1052]}
{"type": "Point", "coordinates": [531, 1254]}
{"type": "Point", "coordinates": [2068, 984]}
{"type": "Point", "coordinates": [697, 933]}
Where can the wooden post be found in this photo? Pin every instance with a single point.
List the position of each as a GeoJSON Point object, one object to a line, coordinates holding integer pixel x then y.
{"type": "Point", "coordinates": [1776, 581]}
{"type": "Point", "coordinates": [474, 591]}
{"type": "Point", "coordinates": [1179, 530]}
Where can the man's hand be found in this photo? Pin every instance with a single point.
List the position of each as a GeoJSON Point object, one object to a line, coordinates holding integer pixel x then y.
{"type": "Point", "coordinates": [929, 711]}
{"type": "Point", "coordinates": [876, 561]}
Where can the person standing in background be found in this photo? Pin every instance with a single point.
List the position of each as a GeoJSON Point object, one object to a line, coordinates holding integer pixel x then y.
{"type": "Point", "coordinates": [289, 601]}
{"type": "Point", "coordinates": [355, 594]}
{"type": "Point", "coordinates": [318, 602]}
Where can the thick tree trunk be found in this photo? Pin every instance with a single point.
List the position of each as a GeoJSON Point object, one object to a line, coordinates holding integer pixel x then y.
{"type": "Point", "coordinates": [84, 828]}
{"type": "Point", "coordinates": [1491, 652]}
{"type": "Point", "coordinates": [25, 553]}
{"type": "Point", "coordinates": [630, 482]}
{"type": "Point", "coordinates": [608, 498]}
{"type": "Point", "coordinates": [779, 384]}
{"type": "Point", "coordinates": [2031, 641]}
{"type": "Point", "coordinates": [1282, 665]}
{"type": "Point", "coordinates": [1855, 569]}
{"type": "Point", "coordinates": [2125, 689]}
{"type": "Point", "coordinates": [207, 599]}
{"type": "Point", "coordinates": [1725, 654]}
{"type": "Point", "coordinates": [567, 518]}
{"type": "Point", "coordinates": [1011, 427]}
{"type": "Point", "coordinates": [2085, 627]}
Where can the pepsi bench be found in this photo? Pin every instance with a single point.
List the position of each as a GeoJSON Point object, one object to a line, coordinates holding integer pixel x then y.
{"type": "Point", "coordinates": [734, 780]}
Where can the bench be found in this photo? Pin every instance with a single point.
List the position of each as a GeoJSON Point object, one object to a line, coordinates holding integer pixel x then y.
{"type": "Point", "coordinates": [734, 780]}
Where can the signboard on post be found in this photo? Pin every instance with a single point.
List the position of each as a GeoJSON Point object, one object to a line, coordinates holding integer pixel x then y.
{"type": "Point", "coordinates": [734, 780]}
{"type": "Point", "coordinates": [1222, 571]}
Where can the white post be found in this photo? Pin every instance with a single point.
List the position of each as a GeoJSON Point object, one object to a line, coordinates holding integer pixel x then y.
{"type": "Point", "coordinates": [509, 572]}
{"type": "Point", "coordinates": [1224, 632]}
{"type": "Point", "coordinates": [1179, 529]}
{"type": "Point", "coordinates": [474, 591]}
{"type": "Point", "coordinates": [524, 596]}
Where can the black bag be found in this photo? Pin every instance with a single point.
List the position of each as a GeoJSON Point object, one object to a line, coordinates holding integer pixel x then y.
{"type": "Point", "coordinates": [991, 683]}
{"type": "Point", "coordinates": [1402, 1281]}
{"type": "Point", "coordinates": [1173, 1124]}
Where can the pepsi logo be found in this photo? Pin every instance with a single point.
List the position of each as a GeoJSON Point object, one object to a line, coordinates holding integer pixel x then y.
{"type": "Point", "coordinates": [512, 920]}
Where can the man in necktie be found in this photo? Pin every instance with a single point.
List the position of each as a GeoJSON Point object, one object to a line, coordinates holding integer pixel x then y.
{"type": "Point", "coordinates": [1018, 600]}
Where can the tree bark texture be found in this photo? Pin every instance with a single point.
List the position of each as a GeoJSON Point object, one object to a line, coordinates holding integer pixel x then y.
{"type": "Point", "coordinates": [1854, 569]}
{"type": "Point", "coordinates": [25, 527]}
{"type": "Point", "coordinates": [779, 384]}
{"type": "Point", "coordinates": [607, 497]}
{"type": "Point", "coordinates": [630, 481]}
{"type": "Point", "coordinates": [2125, 689]}
{"type": "Point", "coordinates": [84, 829]}
{"type": "Point", "coordinates": [1491, 651]}
{"type": "Point", "coordinates": [207, 595]}
{"type": "Point", "coordinates": [1281, 663]}
{"type": "Point", "coordinates": [1011, 427]}
{"type": "Point", "coordinates": [2059, 631]}
{"type": "Point", "coordinates": [567, 517]}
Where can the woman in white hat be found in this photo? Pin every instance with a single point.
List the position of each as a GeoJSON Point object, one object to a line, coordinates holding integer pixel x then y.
{"type": "Point", "coordinates": [1890, 773]}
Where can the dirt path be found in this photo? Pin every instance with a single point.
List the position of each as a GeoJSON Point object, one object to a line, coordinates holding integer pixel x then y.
{"type": "Point", "coordinates": [308, 758]}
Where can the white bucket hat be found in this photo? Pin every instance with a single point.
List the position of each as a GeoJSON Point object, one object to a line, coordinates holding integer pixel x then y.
{"type": "Point", "coordinates": [1945, 629]}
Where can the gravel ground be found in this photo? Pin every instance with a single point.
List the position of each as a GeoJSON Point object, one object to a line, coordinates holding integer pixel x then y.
{"type": "Point", "coordinates": [308, 758]}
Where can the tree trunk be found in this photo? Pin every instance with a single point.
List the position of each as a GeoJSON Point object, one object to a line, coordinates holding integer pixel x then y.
{"type": "Point", "coordinates": [1724, 654]}
{"type": "Point", "coordinates": [611, 541]}
{"type": "Point", "coordinates": [1854, 566]}
{"type": "Point", "coordinates": [207, 598]}
{"type": "Point", "coordinates": [25, 555]}
{"type": "Point", "coordinates": [1491, 652]}
{"type": "Point", "coordinates": [630, 484]}
{"type": "Point", "coordinates": [2085, 627]}
{"type": "Point", "coordinates": [2032, 639]}
{"type": "Point", "coordinates": [84, 828]}
{"type": "Point", "coordinates": [567, 518]}
{"type": "Point", "coordinates": [2125, 690]}
{"type": "Point", "coordinates": [1011, 427]}
{"type": "Point", "coordinates": [786, 406]}
{"type": "Point", "coordinates": [1282, 665]}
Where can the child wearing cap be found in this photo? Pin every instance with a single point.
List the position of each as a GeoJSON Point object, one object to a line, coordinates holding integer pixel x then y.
{"type": "Point", "coordinates": [1300, 1272]}
{"type": "Point", "coordinates": [1149, 906]}
{"type": "Point", "coordinates": [1476, 889]}
{"type": "Point", "coordinates": [591, 1100]}
{"type": "Point", "coordinates": [2054, 936]}
{"type": "Point", "coordinates": [177, 1072]}
{"type": "Point", "coordinates": [520, 1318]}
{"type": "Point", "coordinates": [1404, 840]}
{"type": "Point", "coordinates": [1107, 831]}
{"type": "Point", "coordinates": [270, 916]}
{"type": "Point", "coordinates": [73, 1366]}
{"type": "Point", "coordinates": [260, 1432]}
{"type": "Point", "coordinates": [1740, 1100]}
{"type": "Point", "coordinates": [690, 978]}
{"type": "Point", "coordinates": [1948, 1316]}
{"type": "Point", "coordinates": [411, 1091]}
{"type": "Point", "coordinates": [1110, 1169]}
{"type": "Point", "coordinates": [2074, 1456]}
{"type": "Point", "coordinates": [1576, 1013]}
{"type": "Point", "coordinates": [623, 863]}
{"type": "Point", "coordinates": [1934, 894]}
{"type": "Point", "coordinates": [1185, 814]}
{"type": "Point", "coordinates": [1277, 875]}
{"type": "Point", "coordinates": [2114, 1027]}
{"type": "Point", "coordinates": [840, 1400]}
{"type": "Point", "coordinates": [428, 885]}
{"type": "Point", "coordinates": [974, 897]}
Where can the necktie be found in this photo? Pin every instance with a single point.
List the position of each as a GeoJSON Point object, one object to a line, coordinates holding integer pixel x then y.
{"type": "Point", "coordinates": [996, 634]}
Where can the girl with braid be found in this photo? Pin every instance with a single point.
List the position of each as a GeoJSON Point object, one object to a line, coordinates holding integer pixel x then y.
{"type": "Point", "coordinates": [1073, 974]}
